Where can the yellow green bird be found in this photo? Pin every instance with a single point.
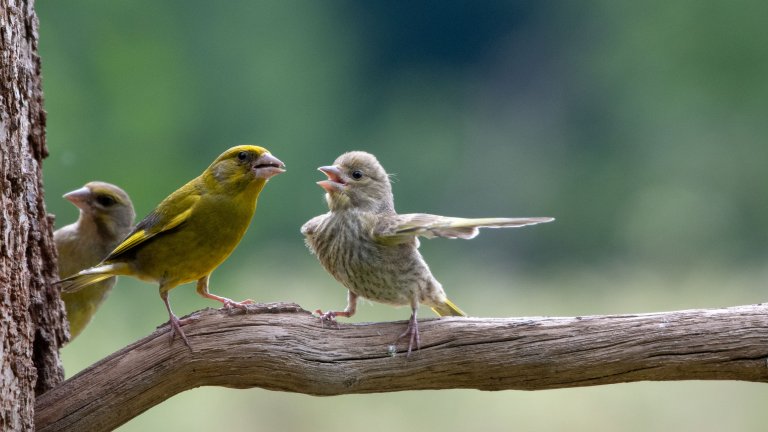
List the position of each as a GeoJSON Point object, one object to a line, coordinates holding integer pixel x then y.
{"type": "Point", "coordinates": [192, 231]}
{"type": "Point", "coordinates": [373, 251]}
{"type": "Point", "coordinates": [106, 217]}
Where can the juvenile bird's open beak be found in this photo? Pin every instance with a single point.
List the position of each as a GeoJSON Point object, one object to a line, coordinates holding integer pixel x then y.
{"type": "Point", "coordinates": [267, 166]}
{"type": "Point", "coordinates": [334, 181]}
{"type": "Point", "coordinates": [79, 197]}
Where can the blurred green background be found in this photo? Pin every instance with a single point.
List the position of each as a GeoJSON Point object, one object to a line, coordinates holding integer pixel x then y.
{"type": "Point", "coordinates": [641, 126]}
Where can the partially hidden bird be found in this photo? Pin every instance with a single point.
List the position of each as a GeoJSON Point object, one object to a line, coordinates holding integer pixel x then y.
{"type": "Point", "coordinates": [373, 251]}
{"type": "Point", "coordinates": [192, 231]}
{"type": "Point", "coordinates": [106, 217]}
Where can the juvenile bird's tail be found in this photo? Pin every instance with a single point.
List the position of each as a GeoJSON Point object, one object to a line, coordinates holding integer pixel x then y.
{"type": "Point", "coordinates": [90, 276]}
{"type": "Point", "coordinates": [448, 309]}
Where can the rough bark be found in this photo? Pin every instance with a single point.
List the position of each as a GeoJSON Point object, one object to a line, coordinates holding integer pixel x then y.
{"type": "Point", "coordinates": [289, 350]}
{"type": "Point", "coordinates": [31, 316]}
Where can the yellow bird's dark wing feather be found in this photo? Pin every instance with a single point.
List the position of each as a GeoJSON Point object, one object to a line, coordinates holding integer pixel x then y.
{"type": "Point", "coordinates": [158, 221]}
{"type": "Point", "coordinates": [402, 228]}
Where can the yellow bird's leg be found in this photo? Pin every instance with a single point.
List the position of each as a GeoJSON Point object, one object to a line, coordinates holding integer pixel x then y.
{"type": "Point", "coordinates": [412, 330]}
{"type": "Point", "coordinates": [330, 316]}
{"type": "Point", "coordinates": [174, 321]}
{"type": "Point", "coordinates": [202, 289]}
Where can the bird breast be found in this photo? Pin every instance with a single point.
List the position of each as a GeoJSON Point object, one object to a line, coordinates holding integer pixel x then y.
{"type": "Point", "coordinates": [345, 248]}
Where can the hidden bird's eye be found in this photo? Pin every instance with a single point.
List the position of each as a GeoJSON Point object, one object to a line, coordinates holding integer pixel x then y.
{"type": "Point", "coordinates": [105, 200]}
{"type": "Point", "coordinates": [242, 156]}
{"type": "Point", "coordinates": [357, 174]}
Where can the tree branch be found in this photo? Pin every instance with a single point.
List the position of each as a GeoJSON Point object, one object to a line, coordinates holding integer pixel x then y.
{"type": "Point", "coordinates": [282, 347]}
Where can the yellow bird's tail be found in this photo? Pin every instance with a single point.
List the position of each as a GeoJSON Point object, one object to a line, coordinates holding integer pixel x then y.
{"type": "Point", "coordinates": [90, 276]}
{"type": "Point", "coordinates": [448, 309]}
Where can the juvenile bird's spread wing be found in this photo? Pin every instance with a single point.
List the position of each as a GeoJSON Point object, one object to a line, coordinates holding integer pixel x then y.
{"type": "Point", "coordinates": [401, 228]}
{"type": "Point", "coordinates": [157, 222]}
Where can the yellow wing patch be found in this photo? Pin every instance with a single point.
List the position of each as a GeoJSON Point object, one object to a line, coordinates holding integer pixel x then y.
{"type": "Point", "coordinates": [143, 235]}
{"type": "Point", "coordinates": [133, 240]}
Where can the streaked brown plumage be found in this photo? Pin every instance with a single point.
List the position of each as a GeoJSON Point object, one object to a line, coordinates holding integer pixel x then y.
{"type": "Point", "coordinates": [373, 251]}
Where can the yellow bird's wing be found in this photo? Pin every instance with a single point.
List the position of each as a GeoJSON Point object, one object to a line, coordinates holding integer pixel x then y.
{"type": "Point", "coordinates": [402, 228]}
{"type": "Point", "coordinates": [169, 214]}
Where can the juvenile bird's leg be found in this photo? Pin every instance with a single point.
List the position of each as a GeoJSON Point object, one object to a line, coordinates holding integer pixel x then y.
{"type": "Point", "coordinates": [330, 316]}
{"type": "Point", "coordinates": [412, 330]}
{"type": "Point", "coordinates": [175, 322]}
{"type": "Point", "coordinates": [202, 289]}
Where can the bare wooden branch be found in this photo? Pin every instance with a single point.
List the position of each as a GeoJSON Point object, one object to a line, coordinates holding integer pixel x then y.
{"type": "Point", "coordinates": [282, 347]}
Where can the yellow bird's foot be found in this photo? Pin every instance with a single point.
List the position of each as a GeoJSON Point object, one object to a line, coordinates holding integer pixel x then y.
{"type": "Point", "coordinates": [229, 303]}
{"type": "Point", "coordinates": [186, 320]}
{"type": "Point", "coordinates": [175, 325]}
{"type": "Point", "coordinates": [413, 332]}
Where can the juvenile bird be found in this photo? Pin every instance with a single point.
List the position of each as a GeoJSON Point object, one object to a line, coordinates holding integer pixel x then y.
{"type": "Point", "coordinates": [191, 231]}
{"type": "Point", "coordinates": [373, 251]}
{"type": "Point", "coordinates": [106, 217]}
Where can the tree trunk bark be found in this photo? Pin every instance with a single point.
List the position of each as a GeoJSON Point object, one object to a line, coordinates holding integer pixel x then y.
{"type": "Point", "coordinates": [32, 320]}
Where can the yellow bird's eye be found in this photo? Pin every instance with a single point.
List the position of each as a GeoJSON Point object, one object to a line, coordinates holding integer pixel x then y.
{"type": "Point", "coordinates": [242, 156]}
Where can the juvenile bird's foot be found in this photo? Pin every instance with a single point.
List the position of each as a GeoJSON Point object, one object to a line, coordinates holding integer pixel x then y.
{"type": "Point", "coordinates": [327, 317]}
{"type": "Point", "coordinates": [330, 317]}
{"type": "Point", "coordinates": [413, 332]}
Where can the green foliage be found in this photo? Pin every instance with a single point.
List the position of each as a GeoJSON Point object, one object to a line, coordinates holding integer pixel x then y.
{"type": "Point", "coordinates": [640, 127]}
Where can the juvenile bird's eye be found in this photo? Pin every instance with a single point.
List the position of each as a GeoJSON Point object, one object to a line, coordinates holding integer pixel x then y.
{"type": "Point", "coordinates": [105, 200]}
{"type": "Point", "coordinates": [242, 156]}
{"type": "Point", "coordinates": [357, 174]}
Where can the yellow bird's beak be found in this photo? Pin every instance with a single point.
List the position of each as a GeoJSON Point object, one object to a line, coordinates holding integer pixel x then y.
{"type": "Point", "coordinates": [267, 166]}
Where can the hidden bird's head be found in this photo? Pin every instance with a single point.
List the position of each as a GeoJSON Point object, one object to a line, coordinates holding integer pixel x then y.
{"type": "Point", "coordinates": [108, 206]}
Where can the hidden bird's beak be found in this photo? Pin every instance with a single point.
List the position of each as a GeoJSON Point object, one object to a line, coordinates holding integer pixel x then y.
{"type": "Point", "coordinates": [267, 166]}
{"type": "Point", "coordinates": [334, 181]}
{"type": "Point", "coordinates": [79, 197]}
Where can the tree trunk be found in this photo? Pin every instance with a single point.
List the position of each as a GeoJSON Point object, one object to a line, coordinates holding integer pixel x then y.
{"type": "Point", "coordinates": [31, 313]}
